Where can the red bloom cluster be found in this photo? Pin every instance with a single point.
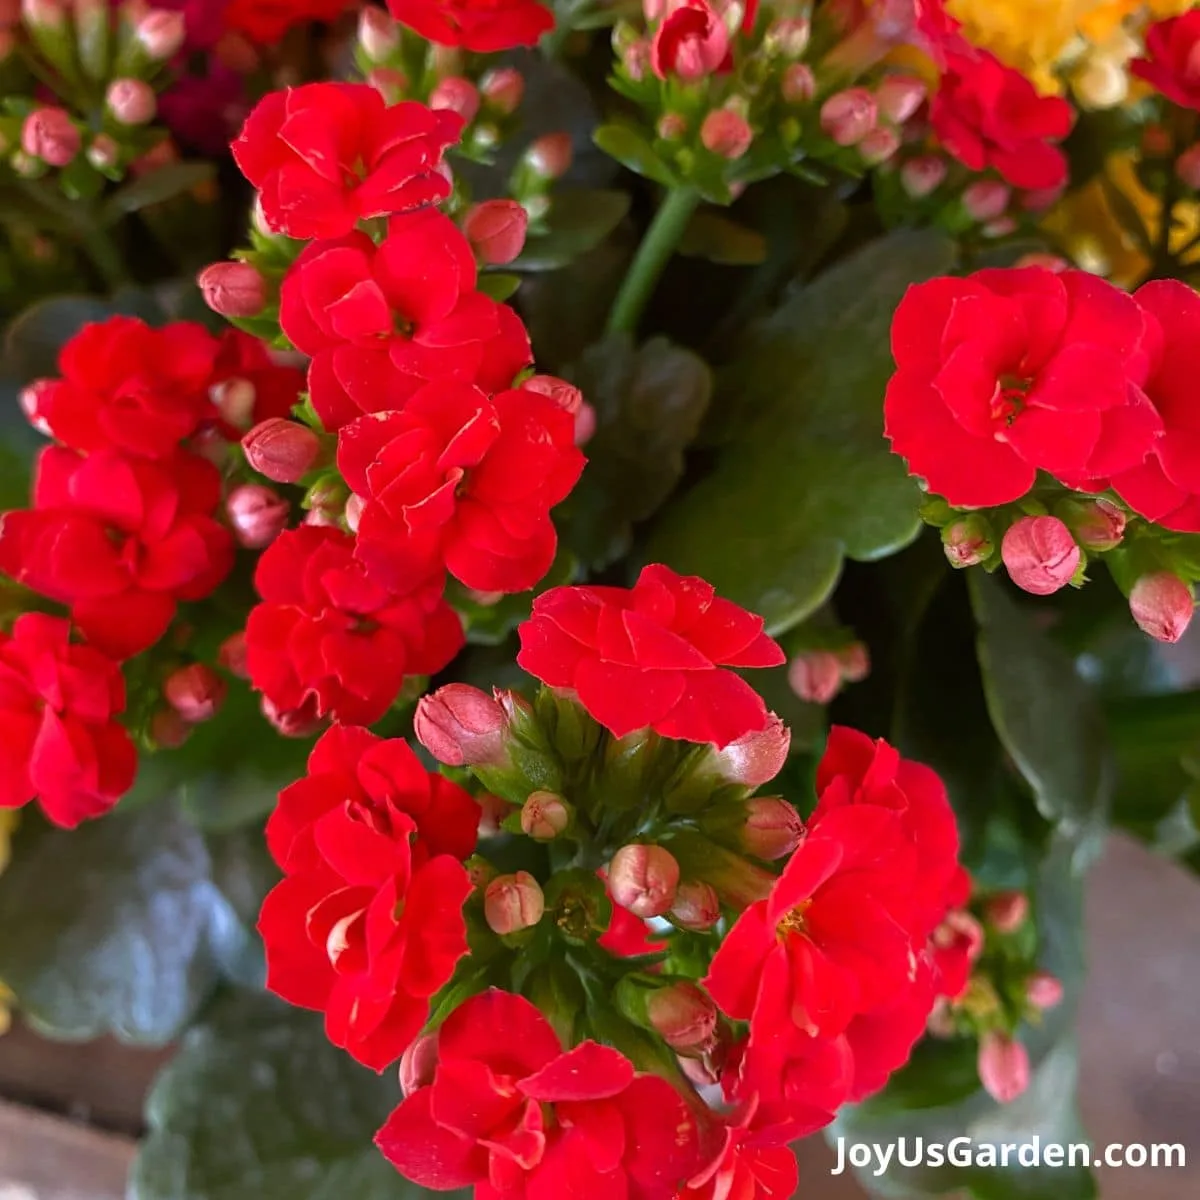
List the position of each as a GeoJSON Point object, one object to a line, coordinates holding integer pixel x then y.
{"type": "Point", "coordinates": [264, 22]}
{"type": "Point", "coordinates": [652, 656]}
{"type": "Point", "coordinates": [500, 1105]}
{"type": "Point", "coordinates": [483, 26]}
{"type": "Point", "coordinates": [368, 924]}
{"type": "Point", "coordinates": [1172, 62]}
{"type": "Point", "coordinates": [832, 970]}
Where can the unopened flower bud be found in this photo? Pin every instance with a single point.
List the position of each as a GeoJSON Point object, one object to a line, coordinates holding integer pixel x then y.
{"type": "Point", "coordinates": [195, 692]}
{"type": "Point", "coordinates": [131, 101]}
{"type": "Point", "coordinates": [1097, 524]}
{"type": "Point", "coordinates": [550, 156]}
{"type": "Point", "coordinates": [544, 815]}
{"type": "Point", "coordinates": [684, 1016]}
{"type": "Point", "coordinates": [257, 514]}
{"type": "Point", "coordinates": [160, 34]}
{"type": "Point", "coordinates": [986, 199]}
{"type": "Point", "coordinates": [458, 95]}
{"type": "Point", "coordinates": [378, 34]}
{"type": "Point", "coordinates": [233, 289]}
{"type": "Point", "coordinates": [168, 730]}
{"type": "Point", "coordinates": [31, 399]}
{"type": "Point", "coordinates": [635, 59]}
{"type": "Point", "coordinates": [1003, 1067]}
{"type": "Point", "coordinates": [788, 36]}
{"type": "Point", "coordinates": [755, 757]}
{"type": "Point", "coordinates": [293, 722]}
{"type": "Point", "coordinates": [104, 154]}
{"type": "Point", "coordinates": [899, 96]}
{"type": "Point", "coordinates": [232, 655]}
{"type": "Point", "coordinates": [282, 450]}
{"type": "Point", "coordinates": [1043, 990]}
{"type": "Point", "coordinates": [643, 878]}
{"type": "Point", "coordinates": [496, 230]}
{"type": "Point", "coordinates": [967, 542]}
{"type": "Point", "coordinates": [726, 133]}
{"type": "Point", "coordinates": [352, 512]}
{"type": "Point", "coordinates": [855, 661]}
{"type": "Point", "coordinates": [815, 676]}
{"type": "Point", "coordinates": [390, 83]}
{"type": "Point", "coordinates": [922, 175]}
{"type": "Point", "coordinates": [50, 135]}
{"type": "Point", "coordinates": [1040, 554]}
{"type": "Point", "coordinates": [1162, 605]}
{"type": "Point", "coordinates": [672, 125]}
{"type": "Point", "coordinates": [234, 399]}
{"type": "Point", "coordinates": [502, 90]}
{"type": "Point", "coordinates": [513, 902]}
{"type": "Point", "coordinates": [773, 828]}
{"type": "Point", "coordinates": [1036, 258]}
{"type": "Point", "coordinates": [1007, 911]}
{"type": "Point", "coordinates": [847, 117]}
{"type": "Point", "coordinates": [879, 145]}
{"type": "Point", "coordinates": [1187, 167]}
{"type": "Point", "coordinates": [798, 85]}
{"type": "Point", "coordinates": [697, 906]}
{"type": "Point", "coordinates": [418, 1063]}
{"type": "Point", "coordinates": [44, 15]}
{"type": "Point", "coordinates": [462, 726]}
{"type": "Point", "coordinates": [1102, 82]}
{"type": "Point", "coordinates": [564, 394]}
{"type": "Point", "coordinates": [960, 928]}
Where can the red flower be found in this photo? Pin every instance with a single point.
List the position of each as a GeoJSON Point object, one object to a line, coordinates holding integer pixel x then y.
{"type": "Point", "coordinates": [512, 1113]}
{"type": "Point", "coordinates": [248, 386]}
{"type": "Point", "coordinates": [752, 1162]}
{"type": "Point", "coordinates": [483, 26]}
{"type": "Point", "coordinates": [379, 321]}
{"type": "Point", "coordinates": [327, 155]}
{"type": "Point", "coordinates": [990, 115]}
{"type": "Point", "coordinates": [120, 541]}
{"type": "Point", "coordinates": [691, 42]}
{"type": "Point", "coordinates": [368, 924]}
{"type": "Point", "coordinates": [1010, 371]}
{"type": "Point", "coordinates": [651, 656]}
{"type": "Point", "coordinates": [1165, 488]}
{"type": "Point", "coordinates": [462, 480]}
{"type": "Point", "coordinates": [328, 639]}
{"type": "Point", "coordinates": [61, 743]}
{"type": "Point", "coordinates": [1172, 62]}
{"type": "Point", "coordinates": [264, 22]}
{"type": "Point", "coordinates": [128, 387]}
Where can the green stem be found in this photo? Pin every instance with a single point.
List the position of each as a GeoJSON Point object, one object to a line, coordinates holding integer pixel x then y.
{"type": "Point", "coordinates": [652, 255]}
{"type": "Point", "coordinates": [98, 246]}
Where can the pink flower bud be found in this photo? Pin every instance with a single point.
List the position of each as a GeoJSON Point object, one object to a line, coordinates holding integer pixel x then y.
{"type": "Point", "coordinates": [879, 145]}
{"type": "Point", "coordinates": [1162, 604]}
{"type": "Point", "coordinates": [1040, 554]}
{"type": "Point", "coordinates": [282, 450]}
{"type": "Point", "coordinates": [684, 1016]}
{"type": "Point", "coordinates": [923, 175]}
{"type": "Point", "coordinates": [502, 90]}
{"type": "Point", "coordinates": [419, 1061]}
{"type": "Point", "coordinates": [232, 655]}
{"type": "Point", "coordinates": [544, 815]}
{"type": "Point", "coordinates": [293, 722]}
{"type": "Point", "coordinates": [257, 514]}
{"type": "Point", "coordinates": [235, 399]}
{"type": "Point", "coordinates": [672, 125]}
{"type": "Point", "coordinates": [755, 757]}
{"type": "Point", "coordinates": [1043, 990]}
{"type": "Point", "coordinates": [1003, 1067]}
{"type": "Point", "coordinates": [160, 34]}
{"type": "Point", "coordinates": [513, 902]}
{"type": "Point", "coordinates": [564, 394]}
{"type": "Point", "coordinates": [103, 153]}
{"type": "Point", "coordinates": [550, 156]}
{"type": "Point", "coordinates": [168, 730]}
{"type": "Point", "coordinates": [353, 511]}
{"type": "Point", "coordinates": [233, 289]}
{"type": "Point", "coordinates": [799, 84]}
{"type": "Point", "coordinates": [50, 135]}
{"type": "Point", "coordinates": [462, 726]}
{"type": "Point", "coordinates": [195, 692]}
{"type": "Point", "coordinates": [1052, 262]}
{"type": "Point", "coordinates": [726, 133]}
{"type": "Point", "coordinates": [815, 676]}
{"type": "Point", "coordinates": [899, 97]}
{"type": "Point", "coordinates": [986, 199]}
{"type": "Point", "coordinates": [1041, 199]}
{"type": "Point", "coordinates": [849, 116]}
{"type": "Point", "coordinates": [458, 95]}
{"type": "Point", "coordinates": [1007, 911]}
{"type": "Point", "coordinates": [959, 928]}
{"type": "Point", "coordinates": [643, 879]}
{"type": "Point", "coordinates": [496, 230]}
{"type": "Point", "coordinates": [585, 424]}
{"type": "Point", "coordinates": [635, 59]}
{"type": "Point", "coordinates": [1097, 524]}
{"type": "Point", "coordinates": [390, 83]}
{"type": "Point", "coordinates": [131, 101]}
{"type": "Point", "coordinates": [967, 542]}
{"type": "Point", "coordinates": [789, 36]}
{"type": "Point", "coordinates": [855, 661]}
{"type": "Point", "coordinates": [378, 34]}
{"type": "Point", "coordinates": [31, 399]}
{"type": "Point", "coordinates": [697, 906]}
{"type": "Point", "coordinates": [1187, 167]}
{"type": "Point", "coordinates": [773, 828]}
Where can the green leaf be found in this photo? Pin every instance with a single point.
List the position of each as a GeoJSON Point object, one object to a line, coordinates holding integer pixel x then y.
{"type": "Point", "coordinates": [806, 477]}
{"type": "Point", "coordinates": [578, 220]}
{"type": "Point", "coordinates": [720, 240]}
{"type": "Point", "coordinates": [500, 285]}
{"type": "Point", "coordinates": [154, 187]}
{"type": "Point", "coordinates": [1047, 718]}
{"type": "Point", "coordinates": [114, 927]}
{"type": "Point", "coordinates": [258, 1103]}
{"type": "Point", "coordinates": [631, 150]}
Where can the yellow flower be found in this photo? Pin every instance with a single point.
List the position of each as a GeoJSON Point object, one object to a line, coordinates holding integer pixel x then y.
{"type": "Point", "coordinates": [1103, 19]}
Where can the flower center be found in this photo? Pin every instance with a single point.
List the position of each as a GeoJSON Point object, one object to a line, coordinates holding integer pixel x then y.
{"type": "Point", "coordinates": [794, 921]}
{"type": "Point", "coordinates": [1008, 399]}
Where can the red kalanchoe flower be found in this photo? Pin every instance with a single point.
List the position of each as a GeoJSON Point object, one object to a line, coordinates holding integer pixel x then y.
{"type": "Point", "coordinates": [752, 1162]}
{"type": "Point", "coordinates": [380, 321]}
{"type": "Point", "coordinates": [248, 386]}
{"type": "Point", "coordinates": [327, 637]}
{"type": "Point", "coordinates": [264, 22]}
{"type": "Point", "coordinates": [461, 480]}
{"type": "Point", "coordinates": [1165, 487]}
{"type": "Point", "coordinates": [483, 26]}
{"type": "Point", "coordinates": [62, 744]}
{"type": "Point", "coordinates": [119, 540]}
{"type": "Point", "coordinates": [1172, 62]}
{"type": "Point", "coordinates": [1010, 371]}
{"type": "Point", "coordinates": [131, 388]}
{"type": "Point", "coordinates": [368, 924]}
{"type": "Point", "coordinates": [511, 1112]}
{"type": "Point", "coordinates": [651, 656]}
{"type": "Point", "coordinates": [327, 155]}
{"type": "Point", "coordinates": [989, 115]}
{"type": "Point", "coordinates": [691, 42]}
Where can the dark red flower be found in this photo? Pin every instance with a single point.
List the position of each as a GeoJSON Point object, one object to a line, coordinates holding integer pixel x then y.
{"type": "Point", "coordinates": [1165, 487]}
{"type": "Point", "coordinates": [327, 636]}
{"type": "Point", "coordinates": [1172, 62]}
{"type": "Point", "coordinates": [248, 386]}
{"type": "Point", "coordinates": [1008, 372]}
{"type": "Point", "coordinates": [510, 1111]}
{"type": "Point", "coordinates": [691, 42]}
{"type": "Point", "coordinates": [131, 388]}
{"type": "Point", "coordinates": [483, 26]}
{"type": "Point", "coordinates": [62, 744]}
{"type": "Point", "coordinates": [327, 155]}
{"type": "Point", "coordinates": [652, 656]}
{"type": "Point", "coordinates": [464, 481]}
{"type": "Point", "coordinates": [989, 115]}
{"type": "Point", "coordinates": [264, 22]}
{"type": "Point", "coordinates": [380, 321]}
{"type": "Point", "coordinates": [119, 540]}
